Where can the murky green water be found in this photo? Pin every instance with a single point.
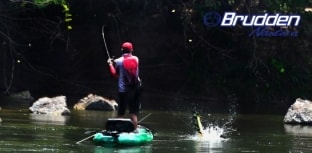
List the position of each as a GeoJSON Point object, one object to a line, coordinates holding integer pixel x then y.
{"type": "Point", "coordinates": [21, 131]}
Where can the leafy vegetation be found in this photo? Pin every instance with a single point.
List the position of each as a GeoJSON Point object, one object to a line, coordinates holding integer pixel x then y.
{"type": "Point", "coordinates": [45, 3]}
{"type": "Point", "coordinates": [208, 61]}
{"type": "Point", "coordinates": [272, 69]}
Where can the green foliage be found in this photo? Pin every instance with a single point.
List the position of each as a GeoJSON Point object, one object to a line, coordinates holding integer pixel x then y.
{"type": "Point", "coordinates": [66, 10]}
{"type": "Point", "coordinates": [67, 16]}
{"type": "Point", "coordinates": [286, 6]}
{"type": "Point", "coordinates": [269, 68]}
{"type": "Point", "coordinates": [278, 65]}
{"type": "Point", "coordinates": [45, 3]}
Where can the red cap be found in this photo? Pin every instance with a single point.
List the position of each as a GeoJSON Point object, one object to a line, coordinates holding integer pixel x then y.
{"type": "Point", "coordinates": [127, 46]}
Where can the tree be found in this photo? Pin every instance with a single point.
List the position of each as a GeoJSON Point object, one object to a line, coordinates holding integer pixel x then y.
{"type": "Point", "coordinates": [22, 22]}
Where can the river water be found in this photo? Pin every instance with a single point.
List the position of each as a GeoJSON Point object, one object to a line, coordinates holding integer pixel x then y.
{"type": "Point", "coordinates": [173, 133]}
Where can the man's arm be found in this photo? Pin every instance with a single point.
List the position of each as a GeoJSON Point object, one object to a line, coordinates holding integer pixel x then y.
{"type": "Point", "coordinates": [112, 68]}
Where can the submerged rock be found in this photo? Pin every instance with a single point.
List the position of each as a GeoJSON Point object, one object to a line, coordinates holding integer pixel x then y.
{"type": "Point", "coordinates": [95, 102]}
{"type": "Point", "coordinates": [55, 106]}
{"type": "Point", "coordinates": [22, 95]}
{"type": "Point", "coordinates": [299, 113]}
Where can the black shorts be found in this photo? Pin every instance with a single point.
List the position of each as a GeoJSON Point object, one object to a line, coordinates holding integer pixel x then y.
{"type": "Point", "coordinates": [129, 99]}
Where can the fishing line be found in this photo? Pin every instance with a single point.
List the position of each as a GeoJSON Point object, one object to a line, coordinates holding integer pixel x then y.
{"type": "Point", "coordinates": [117, 27]}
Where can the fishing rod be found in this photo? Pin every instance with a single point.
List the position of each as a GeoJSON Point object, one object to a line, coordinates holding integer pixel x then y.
{"type": "Point", "coordinates": [143, 118]}
{"type": "Point", "coordinates": [108, 55]}
{"type": "Point", "coordinates": [85, 139]}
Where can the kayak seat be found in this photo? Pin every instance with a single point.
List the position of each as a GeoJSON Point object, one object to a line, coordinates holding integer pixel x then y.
{"type": "Point", "coordinates": [119, 125]}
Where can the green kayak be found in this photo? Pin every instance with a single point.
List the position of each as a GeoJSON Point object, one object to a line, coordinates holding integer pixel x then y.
{"type": "Point", "coordinates": [121, 132]}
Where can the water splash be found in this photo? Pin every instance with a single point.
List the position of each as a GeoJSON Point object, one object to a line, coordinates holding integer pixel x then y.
{"type": "Point", "coordinates": [210, 133]}
{"type": "Point", "coordinates": [219, 131]}
{"type": "Point", "coordinates": [214, 132]}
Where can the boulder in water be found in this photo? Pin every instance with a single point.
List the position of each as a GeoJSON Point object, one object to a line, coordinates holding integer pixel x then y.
{"type": "Point", "coordinates": [95, 102]}
{"type": "Point", "coordinates": [22, 95]}
{"type": "Point", "coordinates": [55, 106]}
{"type": "Point", "coordinates": [299, 113]}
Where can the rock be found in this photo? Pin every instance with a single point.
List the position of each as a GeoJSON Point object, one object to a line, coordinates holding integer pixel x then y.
{"type": "Point", "coordinates": [95, 102]}
{"type": "Point", "coordinates": [54, 106]}
{"type": "Point", "coordinates": [22, 95]}
{"type": "Point", "coordinates": [299, 113]}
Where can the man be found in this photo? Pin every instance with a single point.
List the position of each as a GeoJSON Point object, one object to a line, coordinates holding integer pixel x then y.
{"type": "Point", "coordinates": [126, 69]}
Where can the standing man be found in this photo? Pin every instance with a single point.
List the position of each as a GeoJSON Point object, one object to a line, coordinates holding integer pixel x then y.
{"type": "Point", "coordinates": [126, 69]}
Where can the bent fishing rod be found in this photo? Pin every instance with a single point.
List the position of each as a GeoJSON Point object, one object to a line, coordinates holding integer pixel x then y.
{"type": "Point", "coordinates": [108, 55]}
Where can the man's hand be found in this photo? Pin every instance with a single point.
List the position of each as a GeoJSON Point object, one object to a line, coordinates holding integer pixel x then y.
{"type": "Point", "coordinates": [110, 61]}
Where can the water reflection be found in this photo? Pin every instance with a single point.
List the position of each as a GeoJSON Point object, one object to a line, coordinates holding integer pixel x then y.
{"type": "Point", "coordinates": [300, 137]}
{"type": "Point", "coordinates": [49, 119]}
{"type": "Point", "coordinates": [137, 149]}
{"type": "Point", "coordinates": [208, 146]}
{"type": "Point", "coordinates": [298, 129]}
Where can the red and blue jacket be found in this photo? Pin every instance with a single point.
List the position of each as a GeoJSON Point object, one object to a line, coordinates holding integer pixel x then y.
{"type": "Point", "coordinates": [126, 69]}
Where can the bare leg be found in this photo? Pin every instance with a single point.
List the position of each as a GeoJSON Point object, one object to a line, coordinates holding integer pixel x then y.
{"type": "Point", "coordinates": [134, 119]}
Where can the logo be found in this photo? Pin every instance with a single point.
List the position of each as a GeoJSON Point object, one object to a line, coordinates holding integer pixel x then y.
{"type": "Point", "coordinates": [212, 19]}
{"type": "Point", "coordinates": [272, 25]}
